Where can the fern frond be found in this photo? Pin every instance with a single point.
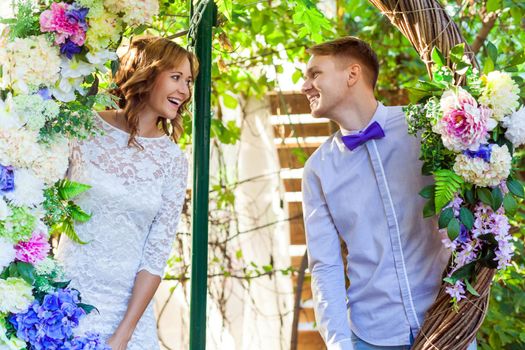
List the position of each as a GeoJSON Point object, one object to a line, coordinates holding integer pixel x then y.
{"type": "Point", "coordinates": [70, 189]}
{"type": "Point", "coordinates": [66, 227]}
{"type": "Point", "coordinates": [447, 184]}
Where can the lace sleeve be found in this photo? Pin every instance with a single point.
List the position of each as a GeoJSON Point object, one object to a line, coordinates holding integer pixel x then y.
{"type": "Point", "coordinates": [164, 227]}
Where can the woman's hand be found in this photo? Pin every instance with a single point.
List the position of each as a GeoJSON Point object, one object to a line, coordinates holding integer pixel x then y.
{"type": "Point", "coordinates": [118, 342]}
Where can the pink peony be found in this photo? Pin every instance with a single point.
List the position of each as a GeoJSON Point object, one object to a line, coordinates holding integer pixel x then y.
{"type": "Point", "coordinates": [59, 20]}
{"type": "Point", "coordinates": [34, 250]}
{"type": "Point", "coordinates": [464, 125]}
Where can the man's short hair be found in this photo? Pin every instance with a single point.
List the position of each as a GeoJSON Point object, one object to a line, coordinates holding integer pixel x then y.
{"type": "Point", "coordinates": [350, 47]}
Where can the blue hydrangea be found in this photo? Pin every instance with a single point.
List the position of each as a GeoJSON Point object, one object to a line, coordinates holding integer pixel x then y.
{"type": "Point", "coordinates": [91, 341]}
{"type": "Point", "coordinates": [49, 325]}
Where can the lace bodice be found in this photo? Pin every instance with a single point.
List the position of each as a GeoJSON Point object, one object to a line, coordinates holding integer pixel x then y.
{"type": "Point", "coordinates": [135, 201]}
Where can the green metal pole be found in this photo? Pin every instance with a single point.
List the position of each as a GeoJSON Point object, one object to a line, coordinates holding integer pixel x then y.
{"type": "Point", "coordinates": [201, 161]}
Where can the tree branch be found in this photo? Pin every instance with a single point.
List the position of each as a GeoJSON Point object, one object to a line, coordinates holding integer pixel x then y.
{"type": "Point", "coordinates": [488, 23]}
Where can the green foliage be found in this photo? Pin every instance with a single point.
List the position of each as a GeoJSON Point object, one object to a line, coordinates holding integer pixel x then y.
{"type": "Point", "coordinates": [448, 183]}
{"type": "Point", "coordinates": [26, 21]}
{"type": "Point", "coordinates": [433, 153]}
{"type": "Point", "coordinates": [75, 119]}
{"type": "Point", "coordinates": [61, 211]}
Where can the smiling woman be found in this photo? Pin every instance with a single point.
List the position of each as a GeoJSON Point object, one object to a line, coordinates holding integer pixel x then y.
{"type": "Point", "coordinates": [154, 85]}
{"type": "Point", "coordinates": [138, 178]}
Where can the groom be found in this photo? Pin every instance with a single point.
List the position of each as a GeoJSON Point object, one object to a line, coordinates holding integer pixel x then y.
{"type": "Point", "coordinates": [361, 186]}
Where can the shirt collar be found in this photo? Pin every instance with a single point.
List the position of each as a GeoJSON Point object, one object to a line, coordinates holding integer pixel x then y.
{"type": "Point", "coordinates": [379, 116]}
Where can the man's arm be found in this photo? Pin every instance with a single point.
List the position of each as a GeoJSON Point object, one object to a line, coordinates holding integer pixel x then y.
{"type": "Point", "coordinates": [326, 266]}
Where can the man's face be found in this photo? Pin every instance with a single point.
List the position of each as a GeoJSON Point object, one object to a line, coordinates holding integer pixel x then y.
{"type": "Point", "coordinates": [326, 85]}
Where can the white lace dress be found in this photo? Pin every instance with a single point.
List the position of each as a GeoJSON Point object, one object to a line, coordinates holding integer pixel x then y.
{"type": "Point", "coordinates": [135, 201]}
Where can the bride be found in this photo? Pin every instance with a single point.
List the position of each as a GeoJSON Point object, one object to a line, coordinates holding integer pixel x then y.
{"type": "Point", "coordinates": [138, 176]}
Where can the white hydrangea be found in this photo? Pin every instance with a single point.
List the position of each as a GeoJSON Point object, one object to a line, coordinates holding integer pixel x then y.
{"type": "Point", "coordinates": [134, 12]}
{"type": "Point", "coordinates": [29, 63]}
{"type": "Point", "coordinates": [481, 173]}
{"type": "Point", "coordinates": [19, 147]}
{"type": "Point", "coordinates": [50, 266]}
{"type": "Point", "coordinates": [501, 94]}
{"type": "Point", "coordinates": [33, 111]}
{"type": "Point", "coordinates": [29, 189]}
{"type": "Point", "coordinates": [515, 125]}
{"type": "Point", "coordinates": [16, 295]}
{"type": "Point", "coordinates": [8, 253]}
{"type": "Point", "coordinates": [5, 211]}
{"type": "Point", "coordinates": [53, 163]}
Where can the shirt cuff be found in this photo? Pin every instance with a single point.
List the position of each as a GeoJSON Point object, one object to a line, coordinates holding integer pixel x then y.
{"type": "Point", "coordinates": [345, 344]}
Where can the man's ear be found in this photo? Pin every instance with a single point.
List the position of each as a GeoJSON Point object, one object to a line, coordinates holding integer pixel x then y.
{"type": "Point", "coordinates": [353, 74]}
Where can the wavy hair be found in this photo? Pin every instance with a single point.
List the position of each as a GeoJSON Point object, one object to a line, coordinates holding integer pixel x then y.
{"type": "Point", "coordinates": [146, 58]}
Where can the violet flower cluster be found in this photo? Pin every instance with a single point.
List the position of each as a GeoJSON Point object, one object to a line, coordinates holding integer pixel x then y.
{"type": "Point", "coordinates": [68, 22]}
{"type": "Point", "coordinates": [49, 325]}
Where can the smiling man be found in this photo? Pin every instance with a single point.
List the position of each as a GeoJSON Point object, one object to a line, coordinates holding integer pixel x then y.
{"type": "Point", "coordinates": [361, 186]}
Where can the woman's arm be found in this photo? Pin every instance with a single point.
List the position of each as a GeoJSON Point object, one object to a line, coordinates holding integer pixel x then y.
{"type": "Point", "coordinates": [145, 286]}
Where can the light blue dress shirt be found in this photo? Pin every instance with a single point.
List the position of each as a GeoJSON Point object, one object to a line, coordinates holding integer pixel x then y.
{"type": "Point", "coordinates": [369, 197]}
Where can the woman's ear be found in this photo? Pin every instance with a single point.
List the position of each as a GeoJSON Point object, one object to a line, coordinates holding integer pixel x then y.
{"type": "Point", "coordinates": [353, 74]}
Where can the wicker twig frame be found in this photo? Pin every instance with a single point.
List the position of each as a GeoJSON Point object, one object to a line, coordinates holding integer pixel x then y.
{"type": "Point", "coordinates": [426, 25]}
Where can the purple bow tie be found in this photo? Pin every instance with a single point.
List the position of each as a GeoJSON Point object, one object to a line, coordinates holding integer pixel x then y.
{"type": "Point", "coordinates": [374, 131]}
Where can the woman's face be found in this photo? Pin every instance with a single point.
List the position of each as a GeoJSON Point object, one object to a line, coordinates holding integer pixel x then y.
{"type": "Point", "coordinates": [171, 89]}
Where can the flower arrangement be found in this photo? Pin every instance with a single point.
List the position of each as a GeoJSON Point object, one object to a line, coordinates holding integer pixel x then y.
{"type": "Point", "coordinates": [49, 61]}
{"type": "Point", "coordinates": [469, 135]}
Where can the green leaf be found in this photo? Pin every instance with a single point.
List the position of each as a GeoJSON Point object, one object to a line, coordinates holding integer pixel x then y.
{"type": "Point", "coordinates": [471, 289]}
{"type": "Point", "coordinates": [77, 213]}
{"type": "Point", "coordinates": [438, 58]}
{"type": "Point", "coordinates": [140, 29]}
{"type": "Point", "coordinates": [429, 209]}
{"type": "Point", "coordinates": [230, 101]}
{"type": "Point", "coordinates": [516, 188]}
{"type": "Point", "coordinates": [453, 229]}
{"type": "Point", "coordinates": [26, 271]}
{"type": "Point", "coordinates": [467, 218]}
{"type": "Point", "coordinates": [456, 54]}
{"type": "Point", "coordinates": [447, 184]}
{"type": "Point", "coordinates": [516, 60]}
{"type": "Point", "coordinates": [87, 308]}
{"type": "Point", "coordinates": [427, 191]}
{"type": "Point", "coordinates": [296, 76]}
{"type": "Point", "coordinates": [484, 195]}
{"type": "Point", "coordinates": [66, 227]}
{"type": "Point", "coordinates": [445, 217]}
{"type": "Point", "coordinates": [497, 198]}
{"type": "Point", "coordinates": [510, 204]}
{"type": "Point", "coordinates": [493, 5]}
{"type": "Point", "coordinates": [70, 189]}
{"type": "Point", "coordinates": [226, 8]}
{"type": "Point", "coordinates": [469, 196]}
{"type": "Point", "coordinates": [492, 51]}
{"type": "Point", "coordinates": [463, 273]}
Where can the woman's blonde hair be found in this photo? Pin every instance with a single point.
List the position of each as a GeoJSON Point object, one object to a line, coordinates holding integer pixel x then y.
{"type": "Point", "coordinates": [146, 58]}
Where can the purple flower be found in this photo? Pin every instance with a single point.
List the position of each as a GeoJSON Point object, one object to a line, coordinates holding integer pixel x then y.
{"type": "Point", "coordinates": [457, 291]}
{"type": "Point", "coordinates": [7, 178]}
{"type": "Point", "coordinates": [49, 325]}
{"type": "Point", "coordinates": [69, 49]}
{"type": "Point", "coordinates": [464, 236]}
{"type": "Point", "coordinates": [45, 93]}
{"type": "Point", "coordinates": [77, 15]}
{"type": "Point", "coordinates": [91, 341]}
{"type": "Point", "coordinates": [483, 152]}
